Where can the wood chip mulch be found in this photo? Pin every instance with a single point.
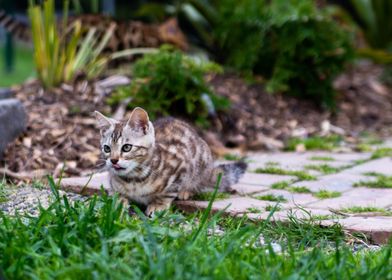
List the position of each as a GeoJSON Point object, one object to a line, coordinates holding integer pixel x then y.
{"type": "Point", "coordinates": [61, 132]}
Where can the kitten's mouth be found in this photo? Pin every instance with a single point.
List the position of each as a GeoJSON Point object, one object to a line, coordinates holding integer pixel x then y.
{"type": "Point", "coordinates": [117, 167]}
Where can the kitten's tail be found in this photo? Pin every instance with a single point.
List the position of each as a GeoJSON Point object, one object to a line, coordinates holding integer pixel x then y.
{"type": "Point", "coordinates": [231, 173]}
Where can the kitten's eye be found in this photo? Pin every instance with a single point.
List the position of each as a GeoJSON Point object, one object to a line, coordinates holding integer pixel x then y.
{"type": "Point", "coordinates": [126, 148]}
{"type": "Point", "coordinates": [106, 148]}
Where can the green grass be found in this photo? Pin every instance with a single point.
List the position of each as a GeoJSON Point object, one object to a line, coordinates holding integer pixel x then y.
{"type": "Point", "coordinates": [205, 196]}
{"type": "Point", "coordinates": [319, 158]}
{"type": "Point", "coordinates": [282, 185]}
{"type": "Point", "coordinates": [382, 152]}
{"type": "Point", "coordinates": [324, 194]}
{"type": "Point", "coordinates": [299, 190]}
{"type": "Point", "coordinates": [273, 208]}
{"type": "Point", "coordinates": [381, 182]}
{"type": "Point", "coordinates": [96, 239]}
{"type": "Point", "coordinates": [323, 168]}
{"type": "Point", "coordinates": [315, 143]}
{"type": "Point", "coordinates": [271, 197]}
{"type": "Point", "coordinates": [367, 209]}
{"type": "Point", "coordinates": [3, 191]}
{"type": "Point", "coordinates": [254, 210]}
{"type": "Point", "coordinates": [301, 175]}
{"type": "Point", "coordinates": [23, 67]}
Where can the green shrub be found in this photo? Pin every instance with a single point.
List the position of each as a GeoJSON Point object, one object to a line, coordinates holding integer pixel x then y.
{"type": "Point", "coordinates": [170, 83]}
{"type": "Point", "coordinates": [295, 45]}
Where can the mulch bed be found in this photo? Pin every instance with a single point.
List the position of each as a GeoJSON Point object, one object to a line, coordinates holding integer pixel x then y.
{"type": "Point", "coordinates": [61, 132]}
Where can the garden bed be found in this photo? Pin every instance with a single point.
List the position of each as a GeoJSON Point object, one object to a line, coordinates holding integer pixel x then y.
{"type": "Point", "coordinates": [61, 132]}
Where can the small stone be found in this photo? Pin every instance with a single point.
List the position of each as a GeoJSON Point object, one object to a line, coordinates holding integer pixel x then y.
{"type": "Point", "coordinates": [6, 93]}
{"type": "Point", "coordinates": [12, 121]}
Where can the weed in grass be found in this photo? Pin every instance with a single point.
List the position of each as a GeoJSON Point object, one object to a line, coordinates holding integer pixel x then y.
{"type": "Point", "coordinates": [206, 196]}
{"type": "Point", "coordinates": [301, 175]}
{"type": "Point", "coordinates": [324, 194]}
{"type": "Point", "coordinates": [323, 168]}
{"type": "Point", "coordinates": [382, 182]}
{"type": "Point", "coordinates": [315, 143]}
{"type": "Point", "coordinates": [299, 190]}
{"type": "Point", "coordinates": [273, 208]}
{"type": "Point", "coordinates": [3, 191]}
{"type": "Point", "coordinates": [382, 152]}
{"type": "Point", "coordinates": [98, 239]}
{"type": "Point", "coordinates": [254, 210]}
{"type": "Point", "coordinates": [37, 185]}
{"type": "Point", "coordinates": [282, 185]}
{"type": "Point", "coordinates": [366, 209]}
{"type": "Point", "coordinates": [272, 197]}
{"type": "Point", "coordinates": [319, 158]}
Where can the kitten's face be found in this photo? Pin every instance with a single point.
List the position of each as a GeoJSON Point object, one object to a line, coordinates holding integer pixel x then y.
{"type": "Point", "coordinates": [126, 146]}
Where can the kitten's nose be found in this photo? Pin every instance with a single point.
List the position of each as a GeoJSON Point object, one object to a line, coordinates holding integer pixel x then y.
{"type": "Point", "coordinates": [114, 160]}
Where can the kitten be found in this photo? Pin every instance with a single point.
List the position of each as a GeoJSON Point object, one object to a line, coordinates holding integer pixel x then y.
{"type": "Point", "coordinates": [153, 164]}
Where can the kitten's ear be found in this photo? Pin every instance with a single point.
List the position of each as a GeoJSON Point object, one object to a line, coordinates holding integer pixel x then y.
{"type": "Point", "coordinates": [139, 120]}
{"type": "Point", "coordinates": [103, 122]}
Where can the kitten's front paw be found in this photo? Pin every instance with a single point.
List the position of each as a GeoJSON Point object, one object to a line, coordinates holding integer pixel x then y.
{"type": "Point", "coordinates": [152, 208]}
{"type": "Point", "coordinates": [184, 195]}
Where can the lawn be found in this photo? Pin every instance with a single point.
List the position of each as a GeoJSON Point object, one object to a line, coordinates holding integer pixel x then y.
{"type": "Point", "coordinates": [96, 239]}
{"type": "Point", "coordinates": [23, 66]}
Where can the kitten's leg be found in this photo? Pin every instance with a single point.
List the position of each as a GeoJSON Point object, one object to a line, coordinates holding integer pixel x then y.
{"type": "Point", "coordinates": [122, 199]}
{"type": "Point", "coordinates": [160, 203]}
{"type": "Point", "coordinates": [185, 195]}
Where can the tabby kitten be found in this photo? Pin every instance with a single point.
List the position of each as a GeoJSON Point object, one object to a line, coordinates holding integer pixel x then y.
{"type": "Point", "coordinates": [153, 164]}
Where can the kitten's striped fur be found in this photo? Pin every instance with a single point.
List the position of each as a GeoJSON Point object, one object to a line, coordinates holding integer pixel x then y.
{"type": "Point", "coordinates": [167, 160]}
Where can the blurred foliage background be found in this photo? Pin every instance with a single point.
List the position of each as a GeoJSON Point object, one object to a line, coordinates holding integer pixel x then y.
{"type": "Point", "coordinates": [298, 47]}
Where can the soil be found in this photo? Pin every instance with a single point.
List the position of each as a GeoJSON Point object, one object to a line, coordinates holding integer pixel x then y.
{"type": "Point", "coordinates": [61, 135]}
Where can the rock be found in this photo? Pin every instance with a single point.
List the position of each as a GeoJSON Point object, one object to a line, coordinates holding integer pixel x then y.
{"type": "Point", "coordinates": [6, 93]}
{"type": "Point", "coordinates": [12, 121]}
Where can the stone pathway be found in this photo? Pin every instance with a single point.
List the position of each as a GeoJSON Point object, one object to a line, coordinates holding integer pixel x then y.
{"type": "Point", "coordinates": [302, 188]}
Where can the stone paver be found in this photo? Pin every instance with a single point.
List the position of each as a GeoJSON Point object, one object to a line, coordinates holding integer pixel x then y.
{"type": "Point", "coordinates": [264, 179]}
{"type": "Point", "coordinates": [334, 182]}
{"type": "Point", "coordinates": [358, 197]}
{"type": "Point", "coordinates": [244, 189]}
{"type": "Point", "coordinates": [233, 205]}
{"type": "Point", "coordinates": [12, 121]}
{"type": "Point", "coordinates": [283, 216]}
{"type": "Point", "coordinates": [378, 228]}
{"type": "Point", "coordinates": [382, 166]}
{"type": "Point", "coordinates": [293, 199]}
{"type": "Point", "coordinates": [86, 185]}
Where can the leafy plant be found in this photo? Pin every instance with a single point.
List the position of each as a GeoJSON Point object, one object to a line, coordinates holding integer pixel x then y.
{"type": "Point", "coordinates": [295, 45]}
{"type": "Point", "coordinates": [59, 57]}
{"type": "Point", "coordinates": [168, 82]}
{"type": "Point", "coordinates": [374, 18]}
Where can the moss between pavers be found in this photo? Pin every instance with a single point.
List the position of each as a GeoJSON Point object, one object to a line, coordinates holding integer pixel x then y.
{"type": "Point", "coordinates": [271, 197]}
{"type": "Point", "coordinates": [323, 168]}
{"type": "Point", "coordinates": [324, 194]}
{"type": "Point", "coordinates": [381, 182]}
{"type": "Point", "coordinates": [299, 190]}
{"type": "Point", "coordinates": [285, 185]}
{"type": "Point", "coordinates": [301, 175]}
{"type": "Point", "coordinates": [254, 210]}
{"type": "Point", "coordinates": [315, 143]}
{"type": "Point", "coordinates": [319, 158]}
{"type": "Point", "coordinates": [382, 152]}
{"type": "Point", "coordinates": [366, 209]}
{"type": "Point", "coordinates": [273, 208]}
